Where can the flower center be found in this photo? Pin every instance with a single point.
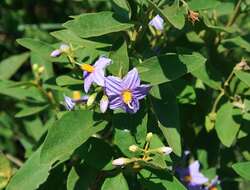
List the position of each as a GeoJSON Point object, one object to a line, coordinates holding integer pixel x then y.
{"type": "Point", "coordinates": [76, 95]}
{"type": "Point", "coordinates": [127, 96]}
{"type": "Point", "coordinates": [187, 178]}
{"type": "Point", "coordinates": [213, 188]}
{"type": "Point", "coordinates": [88, 68]}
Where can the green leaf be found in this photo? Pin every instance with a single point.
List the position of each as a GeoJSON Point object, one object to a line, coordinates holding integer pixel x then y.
{"type": "Point", "coordinates": [96, 24]}
{"type": "Point", "coordinates": [30, 94]}
{"type": "Point", "coordinates": [30, 175]}
{"type": "Point", "coordinates": [243, 76]}
{"type": "Point", "coordinates": [175, 15]}
{"type": "Point", "coordinates": [238, 41]}
{"type": "Point", "coordinates": [27, 111]}
{"type": "Point", "coordinates": [165, 68]}
{"type": "Point", "coordinates": [66, 80]}
{"type": "Point", "coordinates": [70, 37]}
{"type": "Point", "coordinates": [9, 66]}
{"type": "Point", "coordinates": [226, 124]}
{"type": "Point", "coordinates": [122, 8]}
{"type": "Point", "coordinates": [117, 182]}
{"type": "Point", "coordinates": [242, 168]}
{"type": "Point", "coordinates": [172, 14]}
{"type": "Point", "coordinates": [198, 5]}
{"type": "Point", "coordinates": [156, 179]}
{"type": "Point", "coordinates": [120, 58]}
{"type": "Point", "coordinates": [167, 112]}
{"type": "Point", "coordinates": [41, 48]}
{"type": "Point", "coordinates": [72, 130]}
{"type": "Point", "coordinates": [209, 75]}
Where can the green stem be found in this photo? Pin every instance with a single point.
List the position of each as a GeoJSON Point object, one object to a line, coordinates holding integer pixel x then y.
{"type": "Point", "coordinates": [235, 14]}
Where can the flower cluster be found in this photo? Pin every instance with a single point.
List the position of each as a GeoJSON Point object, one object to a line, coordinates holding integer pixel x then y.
{"type": "Point", "coordinates": [123, 93]}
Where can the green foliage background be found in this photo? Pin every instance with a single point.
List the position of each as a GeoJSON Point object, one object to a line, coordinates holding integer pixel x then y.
{"type": "Point", "coordinates": [199, 101]}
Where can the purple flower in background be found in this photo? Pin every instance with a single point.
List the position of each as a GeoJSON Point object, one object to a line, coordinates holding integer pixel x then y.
{"type": "Point", "coordinates": [63, 49]}
{"type": "Point", "coordinates": [125, 93]}
{"type": "Point", "coordinates": [157, 22]}
{"type": "Point", "coordinates": [71, 102]}
{"type": "Point", "coordinates": [192, 177]}
{"type": "Point", "coordinates": [95, 73]}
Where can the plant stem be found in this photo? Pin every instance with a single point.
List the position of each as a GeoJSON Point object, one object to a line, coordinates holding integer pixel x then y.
{"type": "Point", "coordinates": [15, 160]}
{"type": "Point", "coordinates": [235, 14]}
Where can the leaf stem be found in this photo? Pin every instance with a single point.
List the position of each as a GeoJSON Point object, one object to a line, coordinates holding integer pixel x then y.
{"type": "Point", "coordinates": [234, 15]}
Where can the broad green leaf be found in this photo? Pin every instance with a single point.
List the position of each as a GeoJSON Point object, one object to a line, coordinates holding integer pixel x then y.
{"type": "Point", "coordinates": [243, 76]}
{"type": "Point", "coordinates": [9, 66]}
{"type": "Point", "coordinates": [172, 14]}
{"type": "Point", "coordinates": [238, 41]}
{"type": "Point", "coordinates": [227, 124]}
{"type": "Point", "coordinates": [198, 5]}
{"type": "Point", "coordinates": [242, 168]}
{"type": "Point", "coordinates": [209, 75]}
{"type": "Point", "coordinates": [165, 68]}
{"type": "Point", "coordinates": [120, 58]}
{"type": "Point", "coordinates": [31, 174]}
{"type": "Point", "coordinates": [29, 110]}
{"type": "Point", "coordinates": [156, 179]}
{"type": "Point", "coordinates": [96, 24]}
{"type": "Point", "coordinates": [167, 112]}
{"type": "Point", "coordinates": [30, 94]}
{"type": "Point", "coordinates": [66, 80]}
{"type": "Point", "coordinates": [41, 48]}
{"type": "Point", "coordinates": [72, 130]}
{"type": "Point", "coordinates": [5, 171]}
{"type": "Point", "coordinates": [117, 182]}
{"type": "Point", "coordinates": [175, 15]}
{"type": "Point", "coordinates": [122, 8]}
{"type": "Point", "coordinates": [70, 37]}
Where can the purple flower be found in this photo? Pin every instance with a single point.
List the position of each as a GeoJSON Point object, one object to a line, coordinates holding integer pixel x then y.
{"type": "Point", "coordinates": [125, 93]}
{"type": "Point", "coordinates": [55, 53]}
{"type": "Point", "coordinates": [95, 73]}
{"type": "Point", "coordinates": [157, 22]}
{"type": "Point", "coordinates": [192, 176]}
{"type": "Point", "coordinates": [71, 102]}
{"type": "Point", "coordinates": [213, 184]}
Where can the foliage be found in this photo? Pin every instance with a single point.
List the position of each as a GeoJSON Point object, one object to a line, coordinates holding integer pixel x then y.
{"type": "Point", "coordinates": [181, 79]}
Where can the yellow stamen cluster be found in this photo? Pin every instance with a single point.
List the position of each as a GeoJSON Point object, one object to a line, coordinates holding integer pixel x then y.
{"type": "Point", "coordinates": [127, 96]}
{"type": "Point", "coordinates": [87, 67]}
{"type": "Point", "coordinates": [76, 95]}
{"type": "Point", "coordinates": [187, 178]}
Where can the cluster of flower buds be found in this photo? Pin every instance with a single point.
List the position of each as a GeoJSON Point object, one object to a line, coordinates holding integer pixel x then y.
{"type": "Point", "coordinates": [145, 155]}
{"type": "Point", "coordinates": [242, 65]}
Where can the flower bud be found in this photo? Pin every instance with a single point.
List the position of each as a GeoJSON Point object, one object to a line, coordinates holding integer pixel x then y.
{"type": "Point", "coordinates": [91, 99]}
{"type": "Point", "coordinates": [64, 48]}
{"type": "Point", "coordinates": [40, 69]}
{"type": "Point", "coordinates": [120, 161]}
{"type": "Point", "coordinates": [55, 53]}
{"type": "Point", "coordinates": [193, 16]}
{"type": "Point", "coordinates": [149, 137]}
{"type": "Point", "coordinates": [165, 150]}
{"type": "Point", "coordinates": [35, 67]}
{"type": "Point", "coordinates": [104, 104]}
{"type": "Point", "coordinates": [133, 148]}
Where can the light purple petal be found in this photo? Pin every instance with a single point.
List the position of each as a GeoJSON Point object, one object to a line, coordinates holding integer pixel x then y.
{"type": "Point", "coordinates": [141, 91]}
{"type": "Point", "coordinates": [115, 102]}
{"type": "Point", "coordinates": [98, 77]}
{"type": "Point", "coordinates": [133, 107]}
{"type": "Point", "coordinates": [55, 53]}
{"type": "Point", "coordinates": [69, 103]}
{"type": "Point", "coordinates": [102, 62]}
{"type": "Point", "coordinates": [85, 74]}
{"type": "Point", "coordinates": [157, 22]}
{"type": "Point", "coordinates": [198, 179]}
{"type": "Point", "coordinates": [131, 80]}
{"type": "Point", "coordinates": [113, 86]}
{"type": "Point", "coordinates": [104, 104]}
{"type": "Point", "coordinates": [194, 167]}
{"type": "Point", "coordinates": [87, 82]}
{"type": "Point", "coordinates": [194, 187]}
